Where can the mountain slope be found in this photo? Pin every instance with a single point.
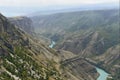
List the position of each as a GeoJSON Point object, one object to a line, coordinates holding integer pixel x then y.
{"type": "Point", "coordinates": [25, 58]}
{"type": "Point", "coordinates": [24, 23]}
{"type": "Point", "coordinates": [21, 58]}
{"type": "Point", "coordinates": [74, 20]}
{"type": "Point", "coordinates": [110, 60]}
{"type": "Point", "coordinates": [84, 32]}
{"type": "Point", "coordinates": [88, 34]}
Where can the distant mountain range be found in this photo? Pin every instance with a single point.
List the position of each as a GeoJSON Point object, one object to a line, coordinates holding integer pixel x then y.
{"type": "Point", "coordinates": [63, 9]}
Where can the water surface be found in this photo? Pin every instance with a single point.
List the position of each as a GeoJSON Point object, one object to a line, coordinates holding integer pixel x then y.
{"type": "Point", "coordinates": [103, 75]}
{"type": "Point", "coordinates": [52, 44]}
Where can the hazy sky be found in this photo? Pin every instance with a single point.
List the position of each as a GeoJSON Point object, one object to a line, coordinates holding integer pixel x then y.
{"type": "Point", "coordinates": [19, 7]}
{"type": "Point", "coordinates": [40, 3]}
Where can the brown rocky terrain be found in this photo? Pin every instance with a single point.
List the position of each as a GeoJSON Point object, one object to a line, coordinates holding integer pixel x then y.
{"type": "Point", "coordinates": [25, 58]}
{"type": "Point", "coordinates": [110, 60]}
{"type": "Point", "coordinates": [24, 23]}
{"type": "Point", "coordinates": [94, 35]}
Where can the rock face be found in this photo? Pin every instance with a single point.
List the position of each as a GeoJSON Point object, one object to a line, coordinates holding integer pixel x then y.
{"type": "Point", "coordinates": [80, 68]}
{"type": "Point", "coordinates": [24, 23]}
{"type": "Point", "coordinates": [85, 45]}
{"type": "Point", "coordinates": [111, 59]}
{"type": "Point", "coordinates": [76, 68]}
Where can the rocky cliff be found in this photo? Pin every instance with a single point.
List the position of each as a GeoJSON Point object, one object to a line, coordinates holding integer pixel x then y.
{"type": "Point", "coordinates": [110, 60]}
{"type": "Point", "coordinates": [80, 68]}
{"type": "Point", "coordinates": [24, 23]}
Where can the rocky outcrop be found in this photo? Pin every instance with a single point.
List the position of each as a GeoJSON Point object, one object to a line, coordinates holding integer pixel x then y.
{"type": "Point", "coordinates": [75, 67]}
{"type": "Point", "coordinates": [86, 45]}
{"type": "Point", "coordinates": [80, 68]}
{"type": "Point", "coordinates": [24, 23]}
{"type": "Point", "coordinates": [110, 60]}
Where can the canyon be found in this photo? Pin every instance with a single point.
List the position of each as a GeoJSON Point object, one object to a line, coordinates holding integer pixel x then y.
{"type": "Point", "coordinates": [81, 45]}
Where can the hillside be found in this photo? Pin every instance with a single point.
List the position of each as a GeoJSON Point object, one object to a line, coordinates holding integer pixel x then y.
{"type": "Point", "coordinates": [74, 20]}
{"type": "Point", "coordinates": [24, 58]}
{"type": "Point", "coordinates": [92, 34]}
{"type": "Point", "coordinates": [24, 23]}
{"type": "Point", "coordinates": [110, 60]}
{"type": "Point", "coordinates": [80, 31]}
{"type": "Point", "coordinates": [21, 58]}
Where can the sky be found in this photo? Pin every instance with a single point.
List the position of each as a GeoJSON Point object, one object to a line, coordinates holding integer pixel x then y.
{"type": "Point", "coordinates": [20, 7]}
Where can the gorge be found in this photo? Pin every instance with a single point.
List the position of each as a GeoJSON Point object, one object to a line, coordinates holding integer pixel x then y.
{"type": "Point", "coordinates": [82, 45]}
{"type": "Point", "coordinates": [87, 34]}
{"type": "Point", "coordinates": [102, 74]}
